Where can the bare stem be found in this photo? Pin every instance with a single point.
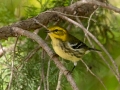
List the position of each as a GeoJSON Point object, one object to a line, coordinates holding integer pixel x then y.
{"type": "Point", "coordinates": [116, 71]}
{"type": "Point", "coordinates": [59, 81]}
{"type": "Point", "coordinates": [47, 77]}
{"type": "Point", "coordinates": [49, 52]}
{"type": "Point", "coordinates": [94, 74]}
{"type": "Point", "coordinates": [12, 66]}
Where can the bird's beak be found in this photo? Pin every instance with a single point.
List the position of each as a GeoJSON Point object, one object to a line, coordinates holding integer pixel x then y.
{"type": "Point", "coordinates": [47, 31]}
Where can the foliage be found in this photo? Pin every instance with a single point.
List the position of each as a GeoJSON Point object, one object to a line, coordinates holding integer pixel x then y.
{"type": "Point", "coordinates": [27, 73]}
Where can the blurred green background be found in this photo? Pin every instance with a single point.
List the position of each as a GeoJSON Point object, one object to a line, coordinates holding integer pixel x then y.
{"type": "Point", "coordinates": [28, 70]}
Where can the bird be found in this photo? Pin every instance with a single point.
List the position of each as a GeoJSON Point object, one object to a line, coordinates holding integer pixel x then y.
{"type": "Point", "coordinates": [67, 46]}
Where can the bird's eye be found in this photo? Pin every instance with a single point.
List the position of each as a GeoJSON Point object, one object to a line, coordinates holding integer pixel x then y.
{"type": "Point", "coordinates": [56, 30]}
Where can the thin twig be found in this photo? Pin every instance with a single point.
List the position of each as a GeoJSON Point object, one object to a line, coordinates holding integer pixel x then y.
{"type": "Point", "coordinates": [42, 70]}
{"type": "Point", "coordinates": [86, 36]}
{"type": "Point", "coordinates": [94, 74]}
{"type": "Point", "coordinates": [29, 56]}
{"type": "Point", "coordinates": [39, 23]}
{"type": "Point", "coordinates": [3, 51]}
{"type": "Point", "coordinates": [12, 66]}
{"type": "Point", "coordinates": [43, 77]}
{"type": "Point", "coordinates": [89, 26]}
{"type": "Point", "coordinates": [116, 73]}
{"type": "Point", "coordinates": [8, 49]}
{"type": "Point", "coordinates": [92, 45]}
{"type": "Point", "coordinates": [90, 18]}
{"type": "Point", "coordinates": [59, 81]}
{"type": "Point", "coordinates": [47, 76]}
{"type": "Point", "coordinates": [49, 52]}
{"type": "Point", "coordinates": [39, 87]}
{"type": "Point", "coordinates": [106, 63]}
{"type": "Point", "coordinates": [70, 15]}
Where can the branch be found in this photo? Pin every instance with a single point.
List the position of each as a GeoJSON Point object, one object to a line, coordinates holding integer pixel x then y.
{"type": "Point", "coordinates": [117, 74]}
{"type": "Point", "coordinates": [12, 67]}
{"type": "Point", "coordinates": [47, 76]}
{"type": "Point", "coordinates": [49, 52]}
{"type": "Point", "coordinates": [96, 2]}
{"type": "Point", "coordinates": [59, 81]}
{"type": "Point", "coordinates": [9, 48]}
{"type": "Point", "coordinates": [81, 8]}
{"type": "Point", "coordinates": [94, 74]}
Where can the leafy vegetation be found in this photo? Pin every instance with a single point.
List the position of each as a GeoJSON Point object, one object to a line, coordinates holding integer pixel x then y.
{"type": "Point", "coordinates": [31, 64]}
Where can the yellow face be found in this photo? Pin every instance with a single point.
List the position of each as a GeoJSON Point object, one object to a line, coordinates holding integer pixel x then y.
{"type": "Point", "coordinates": [58, 33]}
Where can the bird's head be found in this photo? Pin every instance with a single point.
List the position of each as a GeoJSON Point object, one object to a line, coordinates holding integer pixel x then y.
{"type": "Point", "coordinates": [57, 32]}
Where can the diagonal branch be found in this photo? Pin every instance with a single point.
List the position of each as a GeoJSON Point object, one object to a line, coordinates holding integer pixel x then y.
{"type": "Point", "coordinates": [81, 8]}
{"type": "Point", "coordinates": [49, 52]}
{"type": "Point", "coordinates": [117, 74]}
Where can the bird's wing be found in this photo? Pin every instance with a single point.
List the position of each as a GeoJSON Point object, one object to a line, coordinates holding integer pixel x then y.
{"type": "Point", "coordinates": [77, 45]}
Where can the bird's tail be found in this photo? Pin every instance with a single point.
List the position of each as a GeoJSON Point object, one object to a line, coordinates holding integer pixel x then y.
{"type": "Point", "coordinates": [93, 49]}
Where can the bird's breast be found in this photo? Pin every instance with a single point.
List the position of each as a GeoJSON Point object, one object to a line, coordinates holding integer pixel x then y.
{"type": "Point", "coordinates": [65, 52]}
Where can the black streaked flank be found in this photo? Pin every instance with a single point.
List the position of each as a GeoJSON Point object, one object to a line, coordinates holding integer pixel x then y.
{"type": "Point", "coordinates": [78, 53]}
{"type": "Point", "coordinates": [78, 45]}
